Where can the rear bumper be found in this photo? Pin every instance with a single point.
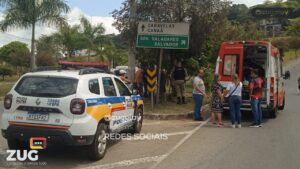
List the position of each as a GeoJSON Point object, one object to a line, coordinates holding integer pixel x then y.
{"type": "Point", "coordinates": [53, 136]}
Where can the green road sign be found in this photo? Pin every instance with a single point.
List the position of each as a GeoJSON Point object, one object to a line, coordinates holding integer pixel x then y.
{"type": "Point", "coordinates": [163, 41]}
{"type": "Point", "coordinates": [163, 35]}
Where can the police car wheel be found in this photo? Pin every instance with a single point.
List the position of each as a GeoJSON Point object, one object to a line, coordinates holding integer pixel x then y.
{"type": "Point", "coordinates": [138, 123]}
{"type": "Point", "coordinates": [97, 149]}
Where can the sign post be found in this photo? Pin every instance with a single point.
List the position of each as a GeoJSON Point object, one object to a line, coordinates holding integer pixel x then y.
{"type": "Point", "coordinates": [162, 36]}
{"type": "Point", "coordinates": [151, 86]}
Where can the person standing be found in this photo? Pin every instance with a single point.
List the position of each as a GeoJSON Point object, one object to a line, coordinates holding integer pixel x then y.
{"type": "Point", "coordinates": [234, 90]}
{"type": "Point", "coordinates": [139, 80]}
{"type": "Point", "coordinates": [217, 101]}
{"type": "Point", "coordinates": [198, 94]}
{"type": "Point", "coordinates": [123, 77]}
{"type": "Point", "coordinates": [256, 97]}
{"type": "Point", "coordinates": [179, 74]}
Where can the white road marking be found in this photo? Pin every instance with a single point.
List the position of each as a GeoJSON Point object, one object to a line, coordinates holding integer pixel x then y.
{"type": "Point", "coordinates": [157, 159]}
{"type": "Point", "coordinates": [169, 123]}
{"type": "Point", "coordinates": [126, 163]}
{"type": "Point", "coordinates": [182, 141]}
{"type": "Point", "coordinates": [178, 133]}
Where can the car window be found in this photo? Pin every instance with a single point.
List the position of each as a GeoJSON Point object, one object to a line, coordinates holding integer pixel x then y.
{"type": "Point", "coordinates": [94, 86]}
{"type": "Point", "coordinates": [231, 64]}
{"type": "Point", "coordinates": [109, 88]}
{"type": "Point", "coordinates": [122, 88]}
{"type": "Point", "coordinates": [39, 86]}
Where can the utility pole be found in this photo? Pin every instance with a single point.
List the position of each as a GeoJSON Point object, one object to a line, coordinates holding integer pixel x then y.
{"type": "Point", "coordinates": [131, 51]}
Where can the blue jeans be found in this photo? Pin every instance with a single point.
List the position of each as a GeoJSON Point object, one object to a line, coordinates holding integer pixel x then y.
{"type": "Point", "coordinates": [198, 99]}
{"type": "Point", "coordinates": [256, 111]}
{"type": "Point", "coordinates": [235, 109]}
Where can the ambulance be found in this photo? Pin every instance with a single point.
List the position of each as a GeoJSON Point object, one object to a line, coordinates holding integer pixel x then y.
{"type": "Point", "coordinates": [241, 57]}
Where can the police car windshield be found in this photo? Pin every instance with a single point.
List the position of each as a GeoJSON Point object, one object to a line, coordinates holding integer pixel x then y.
{"type": "Point", "coordinates": [39, 86]}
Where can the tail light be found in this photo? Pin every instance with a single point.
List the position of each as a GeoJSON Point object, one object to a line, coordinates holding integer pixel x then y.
{"type": "Point", "coordinates": [8, 101]}
{"type": "Point", "coordinates": [77, 106]}
{"type": "Point", "coordinates": [272, 88]}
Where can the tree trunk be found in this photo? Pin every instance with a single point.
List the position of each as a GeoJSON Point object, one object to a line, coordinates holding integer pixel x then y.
{"type": "Point", "coordinates": [32, 55]}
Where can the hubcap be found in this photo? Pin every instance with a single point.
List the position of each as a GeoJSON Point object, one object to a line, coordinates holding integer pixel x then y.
{"type": "Point", "coordinates": [102, 142]}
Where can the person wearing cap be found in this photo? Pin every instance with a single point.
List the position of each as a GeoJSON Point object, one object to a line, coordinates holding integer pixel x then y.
{"type": "Point", "coordinates": [123, 76]}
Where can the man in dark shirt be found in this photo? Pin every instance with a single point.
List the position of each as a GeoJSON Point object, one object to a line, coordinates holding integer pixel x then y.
{"type": "Point", "coordinates": [179, 74]}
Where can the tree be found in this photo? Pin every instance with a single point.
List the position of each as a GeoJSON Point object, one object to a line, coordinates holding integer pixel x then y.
{"type": "Point", "coordinates": [28, 13]}
{"type": "Point", "coordinates": [294, 27]}
{"type": "Point", "coordinates": [239, 13]}
{"type": "Point", "coordinates": [15, 53]}
{"type": "Point", "coordinates": [70, 39]}
{"type": "Point", "coordinates": [5, 71]}
{"type": "Point", "coordinates": [93, 35]}
{"type": "Point", "coordinates": [294, 44]}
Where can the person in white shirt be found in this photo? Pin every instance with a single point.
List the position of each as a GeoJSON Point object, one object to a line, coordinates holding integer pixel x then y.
{"type": "Point", "coordinates": [198, 94]}
{"type": "Point", "coordinates": [234, 90]}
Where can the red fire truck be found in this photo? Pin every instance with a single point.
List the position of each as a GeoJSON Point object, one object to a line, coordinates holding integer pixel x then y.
{"type": "Point", "coordinates": [242, 56]}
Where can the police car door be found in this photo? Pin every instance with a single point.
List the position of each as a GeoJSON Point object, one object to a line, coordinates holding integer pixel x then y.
{"type": "Point", "coordinates": [125, 95]}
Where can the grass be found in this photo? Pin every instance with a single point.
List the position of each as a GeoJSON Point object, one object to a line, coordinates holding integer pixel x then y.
{"type": "Point", "coordinates": [291, 55]}
{"type": "Point", "coordinates": [5, 88]}
{"type": "Point", "coordinates": [9, 79]}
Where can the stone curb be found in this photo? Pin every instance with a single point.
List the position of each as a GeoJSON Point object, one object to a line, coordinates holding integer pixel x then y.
{"type": "Point", "coordinates": [177, 116]}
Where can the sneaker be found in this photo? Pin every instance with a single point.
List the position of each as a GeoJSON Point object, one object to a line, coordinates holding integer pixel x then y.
{"type": "Point", "coordinates": [233, 126]}
{"type": "Point", "coordinates": [254, 126]}
{"type": "Point", "coordinates": [239, 126]}
{"type": "Point", "coordinates": [260, 125]}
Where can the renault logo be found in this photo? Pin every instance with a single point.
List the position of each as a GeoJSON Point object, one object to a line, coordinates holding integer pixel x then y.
{"type": "Point", "coordinates": [38, 101]}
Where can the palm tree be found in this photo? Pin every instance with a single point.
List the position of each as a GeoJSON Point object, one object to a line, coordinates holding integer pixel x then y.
{"type": "Point", "coordinates": [70, 38]}
{"type": "Point", "coordinates": [27, 13]}
{"type": "Point", "coordinates": [94, 35]}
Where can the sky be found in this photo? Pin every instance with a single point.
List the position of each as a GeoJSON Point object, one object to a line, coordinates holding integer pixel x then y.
{"type": "Point", "coordinates": [97, 11]}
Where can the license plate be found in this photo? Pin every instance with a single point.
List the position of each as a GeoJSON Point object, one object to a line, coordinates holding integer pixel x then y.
{"type": "Point", "coordinates": [38, 116]}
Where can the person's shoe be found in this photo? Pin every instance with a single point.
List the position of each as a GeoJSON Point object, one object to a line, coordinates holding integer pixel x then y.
{"type": "Point", "coordinates": [200, 119]}
{"type": "Point", "coordinates": [239, 126]}
{"type": "Point", "coordinates": [178, 100]}
{"type": "Point", "coordinates": [260, 125]}
{"type": "Point", "coordinates": [233, 125]}
{"type": "Point", "coordinates": [220, 125]}
{"type": "Point", "coordinates": [254, 126]}
{"type": "Point", "coordinates": [183, 100]}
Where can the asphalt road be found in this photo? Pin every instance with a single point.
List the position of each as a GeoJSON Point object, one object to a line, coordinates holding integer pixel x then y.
{"type": "Point", "coordinates": [195, 145]}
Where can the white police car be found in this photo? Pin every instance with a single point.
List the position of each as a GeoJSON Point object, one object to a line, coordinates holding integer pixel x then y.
{"type": "Point", "coordinates": [76, 108]}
